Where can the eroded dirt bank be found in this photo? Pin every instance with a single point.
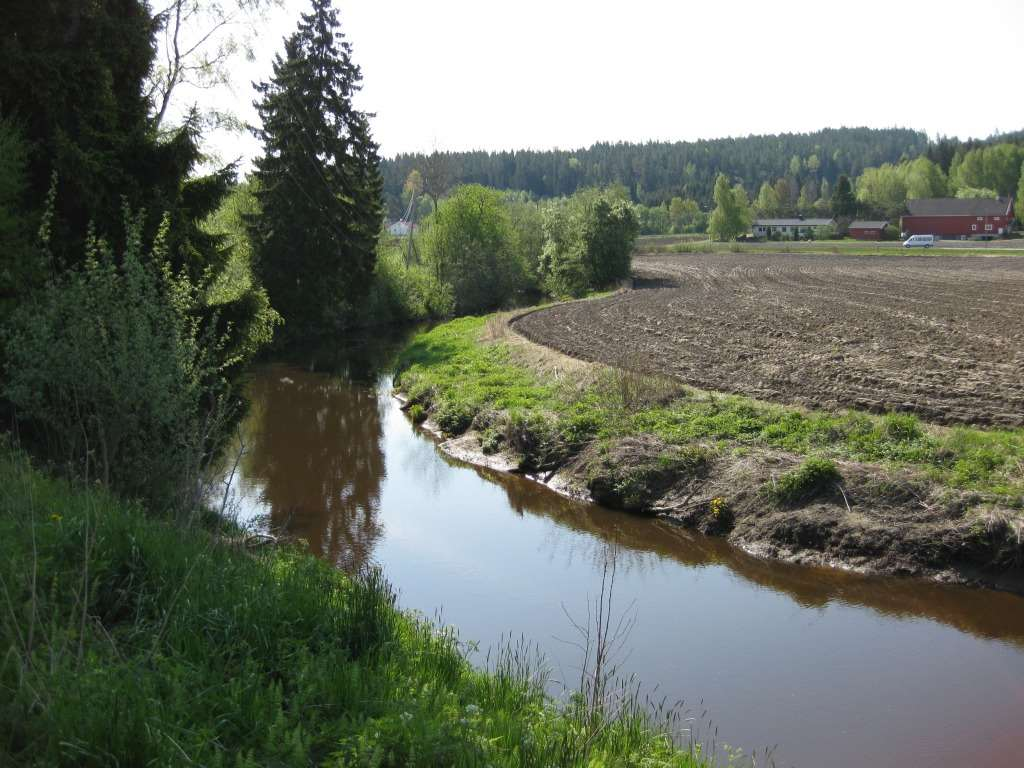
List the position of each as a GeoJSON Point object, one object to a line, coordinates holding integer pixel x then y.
{"type": "Point", "coordinates": [864, 518]}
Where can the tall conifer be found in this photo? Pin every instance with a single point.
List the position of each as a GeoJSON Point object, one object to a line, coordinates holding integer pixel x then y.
{"type": "Point", "coordinates": [319, 182]}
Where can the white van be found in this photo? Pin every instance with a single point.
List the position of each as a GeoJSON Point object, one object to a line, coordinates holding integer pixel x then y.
{"type": "Point", "coordinates": [920, 241]}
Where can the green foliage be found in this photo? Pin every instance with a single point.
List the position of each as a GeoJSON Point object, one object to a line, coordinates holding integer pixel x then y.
{"type": "Point", "coordinates": [925, 179]}
{"type": "Point", "coordinates": [417, 413]}
{"type": "Point", "coordinates": [973, 192]}
{"type": "Point", "coordinates": [129, 641]}
{"type": "Point", "coordinates": [404, 292]}
{"type": "Point", "coordinates": [18, 268]}
{"type": "Point", "coordinates": [996, 167]}
{"type": "Point", "coordinates": [471, 245]}
{"type": "Point", "coordinates": [528, 224]}
{"type": "Point", "coordinates": [886, 189]}
{"type": "Point", "coordinates": [319, 187]}
{"type": "Point", "coordinates": [589, 240]}
{"type": "Point", "coordinates": [767, 203]}
{"type": "Point", "coordinates": [844, 204]}
{"type": "Point", "coordinates": [731, 217]}
{"type": "Point", "coordinates": [114, 362]}
{"type": "Point", "coordinates": [883, 189]}
{"type": "Point", "coordinates": [653, 220]}
{"type": "Point", "coordinates": [686, 216]}
{"type": "Point", "coordinates": [814, 477]}
{"type": "Point", "coordinates": [1019, 199]}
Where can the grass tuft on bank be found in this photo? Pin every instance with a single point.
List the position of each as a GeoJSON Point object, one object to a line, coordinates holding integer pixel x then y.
{"type": "Point", "coordinates": [130, 641]}
{"type": "Point", "coordinates": [462, 380]}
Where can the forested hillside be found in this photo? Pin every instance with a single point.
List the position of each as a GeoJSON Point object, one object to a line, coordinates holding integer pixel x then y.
{"type": "Point", "coordinates": [655, 172]}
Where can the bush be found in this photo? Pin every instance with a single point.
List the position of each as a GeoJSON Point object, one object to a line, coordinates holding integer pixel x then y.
{"type": "Point", "coordinates": [417, 413]}
{"type": "Point", "coordinates": [812, 478]}
{"type": "Point", "coordinates": [902, 427]}
{"type": "Point", "coordinates": [111, 363]}
{"type": "Point", "coordinates": [404, 292]}
{"type": "Point", "coordinates": [453, 417]}
{"type": "Point", "coordinates": [589, 240]}
{"type": "Point", "coordinates": [470, 245]}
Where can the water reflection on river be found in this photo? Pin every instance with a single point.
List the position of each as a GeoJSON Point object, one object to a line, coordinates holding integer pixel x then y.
{"type": "Point", "coordinates": [835, 668]}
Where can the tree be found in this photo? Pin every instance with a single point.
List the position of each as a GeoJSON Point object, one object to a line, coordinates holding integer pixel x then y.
{"type": "Point", "coordinates": [1019, 202]}
{"type": "Point", "coordinates": [970, 192]}
{"type": "Point", "coordinates": [844, 204]}
{"type": "Point", "coordinates": [883, 189]}
{"type": "Point", "coordinates": [589, 240]}
{"type": "Point", "coordinates": [17, 267]}
{"type": "Point", "coordinates": [994, 167]}
{"type": "Point", "coordinates": [685, 215]}
{"type": "Point", "coordinates": [318, 181]}
{"type": "Point", "coordinates": [413, 186]}
{"type": "Point", "coordinates": [924, 179]}
{"type": "Point", "coordinates": [471, 246]}
{"type": "Point", "coordinates": [198, 41]}
{"type": "Point", "coordinates": [731, 216]}
{"type": "Point", "coordinates": [787, 192]}
{"type": "Point", "coordinates": [438, 175]}
{"type": "Point", "coordinates": [823, 205]}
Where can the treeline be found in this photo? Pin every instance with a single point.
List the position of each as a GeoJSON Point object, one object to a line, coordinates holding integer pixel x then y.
{"type": "Point", "coordinates": [655, 172]}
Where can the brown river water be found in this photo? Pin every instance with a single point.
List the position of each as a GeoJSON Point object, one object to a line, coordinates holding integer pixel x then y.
{"type": "Point", "coordinates": [822, 667]}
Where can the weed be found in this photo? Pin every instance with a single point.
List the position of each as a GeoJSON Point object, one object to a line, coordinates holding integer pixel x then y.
{"type": "Point", "coordinates": [417, 413]}
{"type": "Point", "coordinates": [813, 477]}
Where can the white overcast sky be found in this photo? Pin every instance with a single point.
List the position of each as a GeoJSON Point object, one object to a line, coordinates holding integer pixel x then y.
{"type": "Point", "coordinates": [456, 75]}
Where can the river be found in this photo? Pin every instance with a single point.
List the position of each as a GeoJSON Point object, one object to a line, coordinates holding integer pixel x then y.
{"type": "Point", "coordinates": [821, 667]}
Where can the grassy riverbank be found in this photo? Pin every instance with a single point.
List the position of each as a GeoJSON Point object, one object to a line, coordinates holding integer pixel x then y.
{"type": "Point", "coordinates": [130, 641]}
{"type": "Point", "coordinates": [885, 492]}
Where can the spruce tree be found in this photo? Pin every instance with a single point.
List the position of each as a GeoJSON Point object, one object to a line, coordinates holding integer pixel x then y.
{"type": "Point", "coordinates": [844, 204]}
{"type": "Point", "coordinates": [319, 185]}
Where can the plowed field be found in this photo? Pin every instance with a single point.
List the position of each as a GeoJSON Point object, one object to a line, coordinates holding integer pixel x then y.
{"type": "Point", "coordinates": [939, 336]}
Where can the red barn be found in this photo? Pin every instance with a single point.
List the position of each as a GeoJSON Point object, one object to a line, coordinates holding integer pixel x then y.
{"type": "Point", "coordinates": [953, 217]}
{"type": "Point", "coordinates": [867, 230]}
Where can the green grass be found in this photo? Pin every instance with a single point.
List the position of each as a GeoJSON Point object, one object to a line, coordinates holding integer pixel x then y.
{"type": "Point", "coordinates": [128, 641]}
{"type": "Point", "coordinates": [450, 370]}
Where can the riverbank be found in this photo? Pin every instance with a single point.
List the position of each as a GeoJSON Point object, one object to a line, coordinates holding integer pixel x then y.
{"type": "Point", "coordinates": [880, 494]}
{"type": "Point", "coordinates": [129, 640]}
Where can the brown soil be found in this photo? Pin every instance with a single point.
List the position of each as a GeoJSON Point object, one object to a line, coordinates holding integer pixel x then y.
{"type": "Point", "coordinates": [939, 336]}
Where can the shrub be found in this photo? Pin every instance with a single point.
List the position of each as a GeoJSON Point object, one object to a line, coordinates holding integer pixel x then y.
{"type": "Point", "coordinates": [470, 245]}
{"type": "Point", "coordinates": [812, 478]}
{"type": "Point", "coordinates": [588, 242]}
{"type": "Point", "coordinates": [453, 417]}
{"type": "Point", "coordinates": [534, 437]}
{"type": "Point", "coordinates": [902, 427]}
{"type": "Point", "coordinates": [406, 292]}
{"type": "Point", "coordinates": [417, 413]}
{"type": "Point", "coordinates": [111, 363]}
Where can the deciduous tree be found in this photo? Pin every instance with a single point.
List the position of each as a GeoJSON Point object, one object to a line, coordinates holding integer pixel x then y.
{"type": "Point", "coordinates": [731, 216]}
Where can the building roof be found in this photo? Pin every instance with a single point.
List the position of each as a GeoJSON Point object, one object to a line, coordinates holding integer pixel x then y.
{"type": "Point", "coordinates": [868, 224]}
{"type": "Point", "coordinates": [954, 206]}
{"type": "Point", "coordinates": [793, 222]}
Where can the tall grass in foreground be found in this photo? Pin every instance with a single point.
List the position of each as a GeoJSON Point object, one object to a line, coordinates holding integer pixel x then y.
{"type": "Point", "coordinates": [126, 640]}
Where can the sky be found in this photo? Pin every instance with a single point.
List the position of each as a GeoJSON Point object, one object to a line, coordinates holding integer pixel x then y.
{"type": "Point", "coordinates": [453, 75]}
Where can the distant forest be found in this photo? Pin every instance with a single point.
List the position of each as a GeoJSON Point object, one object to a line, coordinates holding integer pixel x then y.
{"type": "Point", "coordinates": [655, 172]}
